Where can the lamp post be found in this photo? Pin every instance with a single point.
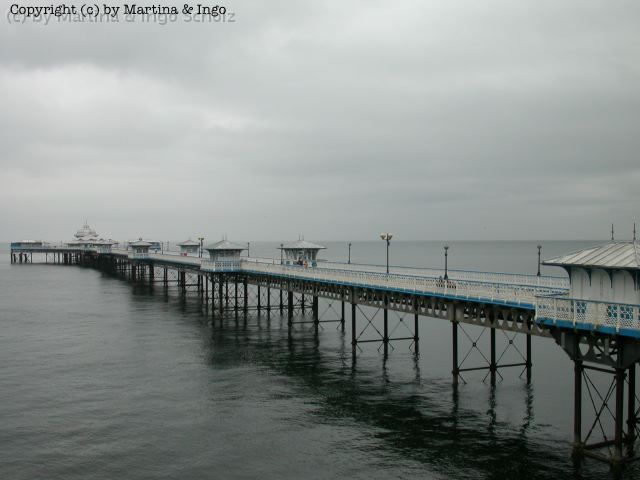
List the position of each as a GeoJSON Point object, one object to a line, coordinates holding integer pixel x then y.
{"type": "Point", "coordinates": [446, 266]}
{"type": "Point", "coordinates": [201, 240]}
{"type": "Point", "coordinates": [387, 238]}
{"type": "Point", "coordinates": [281, 250]}
{"type": "Point", "coordinates": [248, 251]}
{"type": "Point", "coordinates": [349, 253]}
{"type": "Point", "coordinates": [539, 249]}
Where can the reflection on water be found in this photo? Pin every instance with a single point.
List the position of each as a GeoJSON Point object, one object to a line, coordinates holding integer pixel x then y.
{"type": "Point", "coordinates": [104, 380]}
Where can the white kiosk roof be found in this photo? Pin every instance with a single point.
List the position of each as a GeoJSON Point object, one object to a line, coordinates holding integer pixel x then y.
{"type": "Point", "coordinates": [224, 245]}
{"type": "Point", "coordinates": [625, 255]}
{"type": "Point", "coordinates": [302, 245]}
{"type": "Point", "coordinates": [189, 243]}
{"type": "Point", "coordinates": [140, 243]}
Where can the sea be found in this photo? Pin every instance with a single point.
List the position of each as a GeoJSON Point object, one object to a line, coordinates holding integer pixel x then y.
{"type": "Point", "coordinates": [102, 379]}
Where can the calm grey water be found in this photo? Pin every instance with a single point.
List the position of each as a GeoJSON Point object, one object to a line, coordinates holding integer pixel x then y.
{"type": "Point", "coordinates": [103, 380]}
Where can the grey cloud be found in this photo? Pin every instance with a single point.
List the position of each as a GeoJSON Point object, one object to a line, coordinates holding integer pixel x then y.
{"type": "Point", "coordinates": [490, 120]}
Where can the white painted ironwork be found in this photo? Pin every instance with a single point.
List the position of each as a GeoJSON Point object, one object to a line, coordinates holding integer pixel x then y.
{"type": "Point", "coordinates": [581, 313]}
{"type": "Point", "coordinates": [465, 289]}
{"type": "Point", "coordinates": [491, 277]}
{"type": "Point", "coordinates": [233, 265]}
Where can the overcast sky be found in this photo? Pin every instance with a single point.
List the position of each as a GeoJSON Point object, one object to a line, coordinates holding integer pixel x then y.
{"type": "Point", "coordinates": [337, 119]}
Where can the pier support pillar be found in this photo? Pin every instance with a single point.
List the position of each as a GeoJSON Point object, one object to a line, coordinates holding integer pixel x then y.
{"type": "Point", "coordinates": [454, 337]}
{"type": "Point", "coordinates": [577, 406]}
{"type": "Point", "coordinates": [269, 300]}
{"type": "Point", "coordinates": [619, 420]}
{"type": "Point", "coordinates": [290, 306]}
{"type": "Point", "coordinates": [631, 410]}
{"type": "Point", "coordinates": [354, 338]}
{"type": "Point", "coordinates": [492, 367]}
{"type": "Point", "coordinates": [221, 295]}
{"type": "Point", "coordinates": [528, 353]}
{"type": "Point", "coordinates": [235, 296]}
{"type": "Point", "coordinates": [281, 302]}
{"type": "Point", "coordinates": [385, 333]}
{"type": "Point", "coordinates": [416, 335]}
{"type": "Point", "coordinates": [259, 299]}
{"type": "Point", "coordinates": [314, 309]}
{"type": "Point", "coordinates": [342, 315]}
{"type": "Point", "coordinates": [245, 293]}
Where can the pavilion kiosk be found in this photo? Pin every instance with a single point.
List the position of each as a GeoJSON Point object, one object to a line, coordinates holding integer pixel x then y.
{"type": "Point", "coordinates": [604, 286]}
{"type": "Point", "coordinates": [598, 325]}
{"type": "Point", "coordinates": [301, 253]}
{"type": "Point", "coordinates": [224, 256]}
{"type": "Point", "coordinates": [103, 246]}
{"type": "Point", "coordinates": [139, 250]}
{"type": "Point", "coordinates": [85, 238]}
{"type": "Point", "coordinates": [189, 247]}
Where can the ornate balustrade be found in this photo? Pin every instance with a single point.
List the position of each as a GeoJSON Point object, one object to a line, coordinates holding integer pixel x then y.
{"type": "Point", "coordinates": [221, 265]}
{"type": "Point", "coordinates": [608, 317]}
{"type": "Point", "coordinates": [523, 295]}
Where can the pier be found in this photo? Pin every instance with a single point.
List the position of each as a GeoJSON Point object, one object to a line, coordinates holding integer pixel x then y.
{"type": "Point", "coordinates": [593, 315]}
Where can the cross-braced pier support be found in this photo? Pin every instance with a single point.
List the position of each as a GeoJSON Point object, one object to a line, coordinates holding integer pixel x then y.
{"type": "Point", "coordinates": [603, 367]}
{"type": "Point", "coordinates": [492, 361]}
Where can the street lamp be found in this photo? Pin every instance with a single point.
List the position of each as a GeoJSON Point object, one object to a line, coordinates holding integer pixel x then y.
{"type": "Point", "coordinates": [446, 266]}
{"type": "Point", "coordinates": [201, 240]}
{"type": "Point", "coordinates": [539, 249]}
{"type": "Point", "coordinates": [281, 250]}
{"type": "Point", "coordinates": [248, 251]}
{"type": "Point", "coordinates": [387, 238]}
{"type": "Point", "coordinates": [349, 253]}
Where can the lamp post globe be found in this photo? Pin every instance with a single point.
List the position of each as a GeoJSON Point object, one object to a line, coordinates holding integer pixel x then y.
{"type": "Point", "coordinates": [386, 236]}
{"type": "Point", "coordinates": [539, 250]}
{"type": "Point", "coordinates": [446, 266]}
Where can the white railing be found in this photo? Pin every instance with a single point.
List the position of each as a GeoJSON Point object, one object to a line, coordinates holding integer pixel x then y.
{"type": "Point", "coordinates": [485, 277]}
{"type": "Point", "coordinates": [191, 261]}
{"type": "Point", "coordinates": [587, 313]}
{"type": "Point", "coordinates": [221, 265]}
{"type": "Point", "coordinates": [483, 291]}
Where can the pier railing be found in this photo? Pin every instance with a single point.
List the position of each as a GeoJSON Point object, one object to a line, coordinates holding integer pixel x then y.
{"type": "Point", "coordinates": [138, 255]}
{"type": "Point", "coordinates": [563, 311]}
{"type": "Point", "coordinates": [220, 265]}
{"type": "Point", "coordinates": [473, 276]}
{"type": "Point", "coordinates": [522, 295]}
